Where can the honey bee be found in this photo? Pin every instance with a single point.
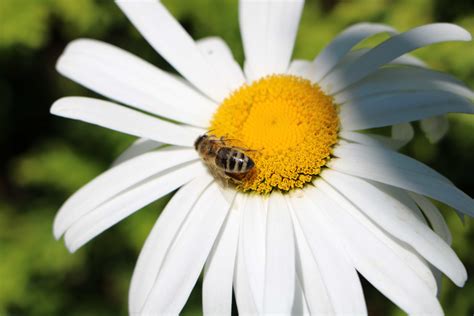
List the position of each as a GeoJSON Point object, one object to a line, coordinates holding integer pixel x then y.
{"type": "Point", "coordinates": [229, 163]}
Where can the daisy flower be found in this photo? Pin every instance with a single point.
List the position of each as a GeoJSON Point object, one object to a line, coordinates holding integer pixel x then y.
{"type": "Point", "coordinates": [324, 203]}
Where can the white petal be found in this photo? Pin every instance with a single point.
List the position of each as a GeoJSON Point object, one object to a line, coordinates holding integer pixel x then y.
{"type": "Point", "coordinates": [341, 45]}
{"type": "Point", "coordinates": [392, 79]}
{"type": "Point", "coordinates": [252, 247]}
{"type": "Point", "coordinates": [401, 196]}
{"type": "Point", "coordinates": [400, 222]}
{"type": "Point", "coordinates": [220, 57]}
{"type": "Point", "coordinates": [434, 216]}
{"type": "Point", "coordinates": [172, 42]}
{"type": "Point", "coordinates": [300, 306]}
{"type": "Point", "coordinates": [329, 280]}
{"type": "Point", "coordinates": [115, 180]}
{"type": "Point", "coordinates": [161, 238]}
{"type": "Point", "coordinates": [244, 297]}
{"type": "Point", "coordinates": [268, 31]}
{"type": "Point", "coordinates": [137, 148]}
{"type": "Point", "coordinates": [125, 78]}
{"type": "Point", "coordinates": [391, 49]}
{"type": "Point", "coordinates": [311, 277]}
{"type": "Point", "coordinates": [402, 134]}
{"type": "Point", "coordinates": [435, 127]}
{"type": "Point", "coordinates": [122, 119]}
{"type": "Point", "coordinates": [219, 269]}
{"type": "Point", "coordinates": [404, 172]}
{"type": "Point", "coordinates": [404, 197]}
{"type": "Point", "coordinates": [404, 60]}
{"type": "Point", "coordinates": [381, 157]}
{"type": "Point", "coordinates": [372, 140]}
{"type": "Point", "coordinates": [408, 60]}
{"type": "Point", "coordinates": [127, 202]}
{"type": "Point", "coordinates": [393, 108]}
{"type": "Point", "coordinates": [299, 67]}
{"type": "Point", "coordinates": [280, 258]}
{"type": "Point", "coordinates": [381, 260]}
{"type": "Point", "coordinates": [186, 257]}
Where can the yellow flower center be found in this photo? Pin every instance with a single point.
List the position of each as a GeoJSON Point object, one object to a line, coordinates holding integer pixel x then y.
{"type": "Point", "coordinates": [289, 126]}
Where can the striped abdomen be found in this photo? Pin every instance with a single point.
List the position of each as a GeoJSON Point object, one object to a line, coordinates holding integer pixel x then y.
{"type": "Point", "coordinates": [233, 161]}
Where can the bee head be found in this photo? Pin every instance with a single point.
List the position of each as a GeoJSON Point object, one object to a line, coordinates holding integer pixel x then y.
{"type": "Point", "coordinates": [199, 140]}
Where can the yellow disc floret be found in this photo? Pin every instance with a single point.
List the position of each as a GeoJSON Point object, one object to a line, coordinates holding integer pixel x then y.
{"type": "Point", "coordinates": [289, 126]}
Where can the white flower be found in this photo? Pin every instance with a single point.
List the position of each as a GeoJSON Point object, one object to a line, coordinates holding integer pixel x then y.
{"type": "Point", "coordinates": [284, 252]}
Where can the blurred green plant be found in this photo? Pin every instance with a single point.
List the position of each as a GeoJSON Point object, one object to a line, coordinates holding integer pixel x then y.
{"type": "Point", "coordinates": [28, 22]}
{"type": "Point", "coordinates": [44, 159]}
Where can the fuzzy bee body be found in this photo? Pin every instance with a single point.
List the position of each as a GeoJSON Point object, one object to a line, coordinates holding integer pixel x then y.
{"type": "Point", "coordinates": [229, 163]}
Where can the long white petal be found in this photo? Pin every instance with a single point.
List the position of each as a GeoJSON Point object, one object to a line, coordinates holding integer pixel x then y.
{"type": "Point", "coordinates": [330, 282]}
{"type": "Point", "coordinates": [219, 269]}
{"type": "Point", "coordinates": [341, 45]}
{"type": "Point", "coordinates": [137, 148]}
{"type": "Point", "coordinates": [302, 68]}
{"type": "Point", "coordinates": [268, 31]}
{"type": "Point", "coordinates": [391, 49]}
{"type": "Point", "coordinates": [401, 135]}
{"type": "Point", "coordinates": [186, 257]}
{"type": "Point", "coordinates": [115, 180]}
{"type": "Point", "coordinates": [280, 279]}
{"type": "Point", "coordinates": [125, 78]}
{"type": "Point", "coordinates": [299, 67]}
{"type": "Point", "coordinates": [403, 197]}
{"type": "Point", "coordinates": [300, 305]}
{"type": "Point", "coordinates": [434, 216]}
{"type": "Point", "coordinates": [399, 221]}
{"type": "Point", "coordinates": [401, 171]}
{"type": "Point", "coordinates": [172, 42]}
{"type": "Point", "coordinates": [417, 262]}
{"type": "Point", "coordinates": [393, 79]}
{"type": "Point", "coordinates": [220, 56]}
{"type": "Point", "coordinates": [122, 119]}
{"type": "Point", "coordinates": [369, 139]}
{"type": "Point", "coordinates": [161, 238]}
{"type": "Point", "coordinates": [382, 261]}
{"type": "Point", "coordinates": [311, 278]}
{"type": "Point", "coordinates": [244, 297]}
{"type": "Point", "coordinates": [380, 157]}
{"type": "Point", "coordinates": [399, 107]}
{"type": "Point", "coordinates": [127, 202]}
{"type": "Point", "coordinates": [403, 60]}
{"type": "Point", "coordinates": [252, 246]}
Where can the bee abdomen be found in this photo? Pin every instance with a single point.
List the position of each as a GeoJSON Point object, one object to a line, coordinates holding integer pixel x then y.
{"type": "Point", "coordinates": [233, 161]}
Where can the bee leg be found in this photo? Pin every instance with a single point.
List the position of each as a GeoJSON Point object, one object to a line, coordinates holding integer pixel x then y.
{"type": "Point", "coordinates": [220, 177]}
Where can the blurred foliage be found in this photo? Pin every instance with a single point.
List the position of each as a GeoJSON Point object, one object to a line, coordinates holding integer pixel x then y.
{"type": "Point", "coordinates": [44, 159]}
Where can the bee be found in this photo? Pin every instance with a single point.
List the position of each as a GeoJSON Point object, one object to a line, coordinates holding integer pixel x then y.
{"type": "Point", "coordinates": [229, 163]}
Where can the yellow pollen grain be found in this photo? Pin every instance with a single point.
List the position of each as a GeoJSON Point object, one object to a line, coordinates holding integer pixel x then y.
{"type": "Point", "coordinates": [289, 125]}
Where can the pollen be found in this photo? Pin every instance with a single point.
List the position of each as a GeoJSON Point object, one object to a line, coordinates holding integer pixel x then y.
{"type": "Point", "coordinates": [286, 124]}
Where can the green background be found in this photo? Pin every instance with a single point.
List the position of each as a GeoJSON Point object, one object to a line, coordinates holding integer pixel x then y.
{"type": "Point", "coordinates": [44, 159]}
